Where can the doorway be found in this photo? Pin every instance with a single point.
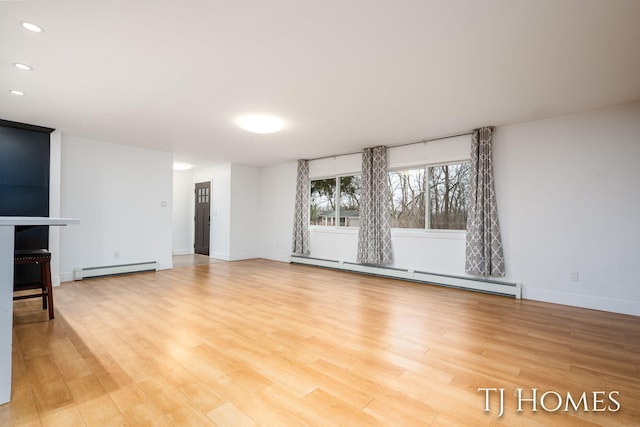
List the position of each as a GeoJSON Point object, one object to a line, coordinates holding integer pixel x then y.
{"type": "Point", "coordinates": [202, 218]}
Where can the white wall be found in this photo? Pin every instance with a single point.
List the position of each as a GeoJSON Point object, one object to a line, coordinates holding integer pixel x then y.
{"type": "Point", "coordinates": [277, 199]}
{"type": "Point", "coordinates": [245, 212]}
{"type": "Point", "coordinates": [117, 191]}
{"type": "Point", "coordinates": [568, 196]}
{"type": "Point", "coordinates": [251, 208]}
{"type": "Point", "coordinates": [568, 202]}
{"type": "Point", "coordinates": [420, 250]}
{"type": "Point", "coordinates": [220, 237]}
{"type": "Point", "coordinates": [183, 211]}
{"type": "Point", "coordinates": [235, 198]}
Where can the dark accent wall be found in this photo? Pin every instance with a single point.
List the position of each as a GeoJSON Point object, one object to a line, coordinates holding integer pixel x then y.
{"type": "Point", "coordinates": [24, 183]}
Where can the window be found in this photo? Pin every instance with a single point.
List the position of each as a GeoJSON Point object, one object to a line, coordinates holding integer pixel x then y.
{"type": "Point", "coordinates": [350, 189]}
{"type": "Point", "coordinates": [323, 202]}
{"type": "Point", "coordinates": [440, 190]}
{"type": "Point", "coordinates": [407, 198]}
{"type": "Point", "coordinates": [325, 192]}
{"type": "Point", "coordinates": [429, 197]}
{"type": "Point", "coordinates": [448, 196]}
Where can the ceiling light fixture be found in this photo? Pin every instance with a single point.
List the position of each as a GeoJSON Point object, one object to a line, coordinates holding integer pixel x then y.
{"type": "Point", "coordinates": [17, 92]}
{"type": "Point", "coordinates": [260, 123]}
{"type": "Point", "coordinates": [24, 67]}
{"type": "Point", "coordinates": [177, 166]}
{"type": "Point", "coordinates": [32, 27]}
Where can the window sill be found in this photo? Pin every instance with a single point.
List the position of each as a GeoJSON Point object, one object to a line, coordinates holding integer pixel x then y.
{"type": "Point", "coordinates": [396, 232]}
{"type": "Point", "coordinates": [429, 234]}
{"type": "Point", "coordinates": [333, 229]}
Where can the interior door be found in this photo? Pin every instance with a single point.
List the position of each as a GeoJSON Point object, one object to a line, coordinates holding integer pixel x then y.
{"type": "Point", "coordinates": [202, 217]}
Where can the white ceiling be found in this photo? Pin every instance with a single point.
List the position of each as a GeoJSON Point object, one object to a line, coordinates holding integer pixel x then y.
{"type": "Point", "coordinates": [344, 74]}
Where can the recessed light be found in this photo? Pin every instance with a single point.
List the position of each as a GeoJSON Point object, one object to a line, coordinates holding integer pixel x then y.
{"type": "Point", "coordinates": [24, 67]}
{"type": "Point", "coordinates": [32, 27]}
{"type": "Point", "coordinates": [17, 92]}
{"type": "Point", "coordinates": [260, 123]}
{"type": "Point", "coordinates": [177, 166]}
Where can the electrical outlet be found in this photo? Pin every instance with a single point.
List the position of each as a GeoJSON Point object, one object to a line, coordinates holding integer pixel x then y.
{"type": "Point", "coordinates": [116, 253]}
{"type": "Point", "coordinates": [574, 276]}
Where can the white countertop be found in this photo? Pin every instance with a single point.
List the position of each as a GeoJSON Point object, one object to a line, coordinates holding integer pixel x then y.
{"type": "Point", "coordinates": [7, 236]}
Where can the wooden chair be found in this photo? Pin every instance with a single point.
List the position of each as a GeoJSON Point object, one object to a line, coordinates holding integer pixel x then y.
{"type": "Point", "coordinates": [43, 258]}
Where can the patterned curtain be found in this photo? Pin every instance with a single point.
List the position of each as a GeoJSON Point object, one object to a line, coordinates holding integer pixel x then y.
{"type": "Point", "coordinates": [374, 236]}
{"type": "Point", "coordinates": [301, 213]}
{"type": "Point", "coordinates": [484, 246]}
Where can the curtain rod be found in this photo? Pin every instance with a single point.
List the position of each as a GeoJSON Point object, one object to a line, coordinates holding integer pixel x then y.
{"type": "Point", "coordinates": [402, 144]}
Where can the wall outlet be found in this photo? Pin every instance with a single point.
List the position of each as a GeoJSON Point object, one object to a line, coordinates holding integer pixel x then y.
{"type": "Point", "coordinates": [574, 277]}
{"type": "Point", "coordinates": [116, 253]}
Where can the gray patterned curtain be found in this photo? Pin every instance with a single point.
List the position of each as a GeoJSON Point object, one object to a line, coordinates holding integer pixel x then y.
{"type": "Point", "coordinates": [484, 245]}
{"type": "Point", "coordinates": [301, 213]}
{"type": "Point", "coordinates": [374, 235]}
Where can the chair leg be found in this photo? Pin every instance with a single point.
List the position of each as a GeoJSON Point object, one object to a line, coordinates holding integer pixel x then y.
{"type": "Point", "coordinates": [46, 280]}
{"type": "Point", "coordinates": [43, 272]}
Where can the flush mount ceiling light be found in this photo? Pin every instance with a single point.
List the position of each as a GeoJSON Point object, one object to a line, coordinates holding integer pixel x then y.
{"type": "Point", "coordinates": [24, 67]}
{"type": "Point", "coordinates": [17, 92]}
{"type": "Point", "coordinates": [32, 27]}
{"type": "Point", "coordinates": [260, 123]}
{"type": "Point", "coordinates": [177, 166]}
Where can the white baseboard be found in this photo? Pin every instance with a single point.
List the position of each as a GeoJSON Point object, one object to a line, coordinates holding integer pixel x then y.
{"type": "Point", "coordinates": [220, 255]}
{"type": "Point", "coordinates": [241, 256]}
{"type": "Point", "coordinates": [470, 283]}
{"type": "Point", "coordinates": [70, 276]}
{"type": "Point", "coordinates": [233, 256]}
{"type": "Point", "coordinates": [109, 270]}
{"type": "Point", "coordinates": [165, 266]}
{"type": "Point", "coordinates": [280, 257]}
{"type": "Point", "coordinates": [183, 251]}
{"type": "Point", "coordinates": [66, 276]}
{"type": "Point", "coordinates": [583, 301]}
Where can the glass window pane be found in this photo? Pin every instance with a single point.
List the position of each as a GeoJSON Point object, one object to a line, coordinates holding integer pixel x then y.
{"type": "Point", "coordinates": [323, 202]}
{"type": "Point", "coordinates": [448, 196]}
{"type": "Point", "coordinates": [407, 198]}
{"type": "Point", "coordinates": [350, 188]}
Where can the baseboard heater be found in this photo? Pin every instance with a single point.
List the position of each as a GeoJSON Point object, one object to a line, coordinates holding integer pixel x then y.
{"type": "Point", "coordinates": [479, 285]}
{"type": "Point", "coordinates": [109, 270]}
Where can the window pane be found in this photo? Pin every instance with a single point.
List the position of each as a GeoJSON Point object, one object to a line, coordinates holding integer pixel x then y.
{"type": "Point", "coordinates": [323, 202]}
{"type": "Point", "coordinates": [448, 196]}
{"type": "Point", "coordinates": [407, 198]}
{"type": "Point", "coordinates": [350, 188]}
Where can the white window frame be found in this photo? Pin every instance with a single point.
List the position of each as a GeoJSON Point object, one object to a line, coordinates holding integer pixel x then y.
{"type": "Point", "coordinates": [427, 220]}
{"type": "Point", "coordinates": [411, 230]}
{"type": "Point", "coordinates": [398, 231]}
{"type": "Point", "coordinates": [337, 225]}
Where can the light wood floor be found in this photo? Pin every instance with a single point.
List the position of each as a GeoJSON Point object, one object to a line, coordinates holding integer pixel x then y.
{"type": "Point", "coordinates": [272, 344]}
{"type": "Point", "coordinates": [191, 260]}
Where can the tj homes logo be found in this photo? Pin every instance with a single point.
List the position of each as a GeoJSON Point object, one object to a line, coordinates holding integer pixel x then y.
{"type": "Point", "coordinates": [551, 401]}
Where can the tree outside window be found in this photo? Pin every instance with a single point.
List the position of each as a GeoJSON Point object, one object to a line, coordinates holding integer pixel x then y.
{"type": "Point", "coordinates": [407, 198]}
{"type": "Point", "coordinates": [434, 197]}
{"type": "Point", "coordinates": [445, 187]}
{"type": "Point", "coordinates": [322, 202]}
{"type": "Point", "coordinates": [349, 209]}
{"type": "Point", "coordinates": [448, 196]}
{"type": "Point", "coordinates": [324, 211]}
